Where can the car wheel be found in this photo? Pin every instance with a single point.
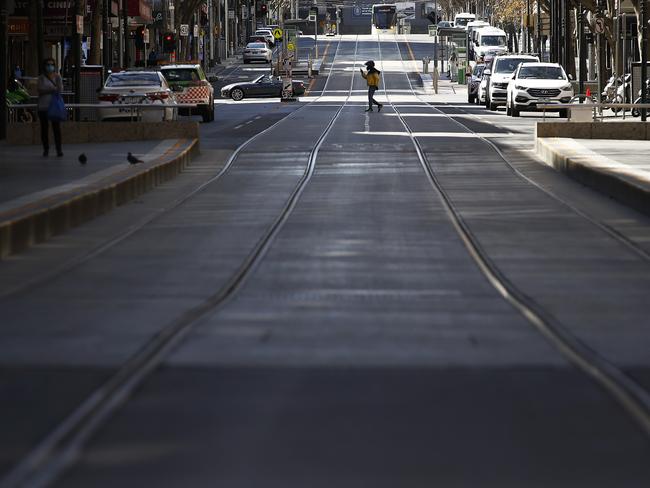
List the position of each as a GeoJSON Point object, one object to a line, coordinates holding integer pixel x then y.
{"type": "Point", "coordinates": [487, 101]}
{"type": "Point", "coordinates": [492, 106]}
{"type": "Point", "coordinates": [564, 113]}
{"type": "Point", "coordinates": [514, 111]}
{"type": "Point", "coordinates": [508, 109]}
{"type": "Point", "coordinates": [237, 94]}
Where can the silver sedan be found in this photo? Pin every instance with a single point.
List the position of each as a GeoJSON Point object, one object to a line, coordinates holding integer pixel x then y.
{"type": "Point", "coordinates": [257, 51]}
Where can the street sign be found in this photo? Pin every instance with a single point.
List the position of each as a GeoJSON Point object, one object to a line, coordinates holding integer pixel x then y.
{"type": "Point", "coordinates": [291, 46]}
{"type": "Point", "coordinates": [80, 24]}
{"type": "Point", "coordinates": [196, 30]}
{"type": "Point", "coordinates": [599, 25]}
{"type": "Point", "coordinates": [145, 36]}
{"type": "Point", "coordinates": [185, 30]}
{"type": "Point", "coordinates": [277, 33]}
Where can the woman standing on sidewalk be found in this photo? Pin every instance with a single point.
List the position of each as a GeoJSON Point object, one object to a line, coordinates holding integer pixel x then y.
{"type": "Point", "coordinates": [49, 82]}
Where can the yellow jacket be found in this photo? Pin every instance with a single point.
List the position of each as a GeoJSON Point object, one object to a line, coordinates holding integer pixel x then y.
{"type": "Point", "coordinates": [371, 78]}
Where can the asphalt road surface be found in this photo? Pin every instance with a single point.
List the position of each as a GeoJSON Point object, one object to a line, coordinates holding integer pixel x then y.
{"type": "Point", "coordinates": [350, 299]}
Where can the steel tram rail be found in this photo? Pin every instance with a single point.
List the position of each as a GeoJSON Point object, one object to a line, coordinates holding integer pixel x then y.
{"type": "Point", "coordinates": [50, 458]}
{"type": "Point", "coordinates": [634, 399]}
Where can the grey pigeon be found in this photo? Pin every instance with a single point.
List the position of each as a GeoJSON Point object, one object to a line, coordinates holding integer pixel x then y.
{"type": "Point", "coordinates": [83, 159]}
{"type": "Point", "coordinates": [133, 160]}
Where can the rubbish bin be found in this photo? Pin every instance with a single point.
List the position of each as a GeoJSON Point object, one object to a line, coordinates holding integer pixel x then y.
{"type": "Point", "coordinates": [461, 76]}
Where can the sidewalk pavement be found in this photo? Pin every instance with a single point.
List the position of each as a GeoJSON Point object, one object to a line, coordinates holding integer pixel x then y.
{"type": "Point", "coordinates": [41, 197]}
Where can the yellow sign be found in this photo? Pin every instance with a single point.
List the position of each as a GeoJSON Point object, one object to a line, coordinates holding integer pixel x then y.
{"type": "Point", "coordinates": [291, 46]}
{"type": "Point", "coordinates": [277, 33]}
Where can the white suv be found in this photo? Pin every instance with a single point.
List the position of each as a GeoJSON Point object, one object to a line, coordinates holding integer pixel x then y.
{"type": "Point", "coordinates": [503, 67]}
{"type": "Point", "coordinates": [538, 83]}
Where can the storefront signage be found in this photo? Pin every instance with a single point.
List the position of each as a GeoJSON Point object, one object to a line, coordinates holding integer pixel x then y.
{"type": "Point", "coordinates": [18, 26]}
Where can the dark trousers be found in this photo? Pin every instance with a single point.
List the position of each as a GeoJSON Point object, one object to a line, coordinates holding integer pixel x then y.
{"type": "Point", "coordinates": [56, 128]}
{"type": "Point", "coordinates": [371, 98]}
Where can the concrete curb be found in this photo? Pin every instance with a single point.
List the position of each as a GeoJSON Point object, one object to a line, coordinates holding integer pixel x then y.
{"type": "Point", "coordinates": [596, 171]}
{"type": "Point", "coordinates": [37, 221]}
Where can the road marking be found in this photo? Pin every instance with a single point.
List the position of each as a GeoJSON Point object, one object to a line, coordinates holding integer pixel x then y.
{"type": "Point", "coordinates": [239, 126]}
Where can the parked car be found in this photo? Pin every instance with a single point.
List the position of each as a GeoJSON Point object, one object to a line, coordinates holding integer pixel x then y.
{"type": "Point", "coordinates": [445, 24]}
{"type": "Point", "coordinates": [137, 87]}
{"type": "Point", "coordinates": [190, 85]}
{"type": "Point", "coordinates": [473, 82]}
{"type": "Point", "coordinates": [262, 86]}
{"type": "Point", "coordinates": [257, 51]}
{"type": "Point", "coordinates": [502, 70]}
{"type": "Point", "coordinates": [268, 36]}
{"type": "Point", "coordinates": [538, 84]}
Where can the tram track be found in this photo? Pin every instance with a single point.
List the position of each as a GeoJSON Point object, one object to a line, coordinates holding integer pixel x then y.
{"type": "Point", "coordinates": [51, 457]}
{"type": "Point", "coordinates": [633, 398]}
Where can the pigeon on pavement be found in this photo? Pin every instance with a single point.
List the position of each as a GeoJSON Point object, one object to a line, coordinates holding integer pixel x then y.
{"type": "Point", "coordinates": [83, 159]}
{"type": "Point", "coordinates": [133, 160]}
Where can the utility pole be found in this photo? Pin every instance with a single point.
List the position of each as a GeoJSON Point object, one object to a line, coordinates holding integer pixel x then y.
{"type": "Point", "coordinates": [582, 69]}
{"type": "Point", "coordinates": [76, 48]}
{"type": "Point", "coordinates": [644, 55]}
{"type": "Point", "coordinates": [540, 48]}
{"type": "Point", "coordinates": [125, 20]}
{"type": "Point", "coordinates": [4, 38]}
{"type": "Point", "coordinates": [218, 33]}
{"type": "Point", "coordinates": [106, 47]}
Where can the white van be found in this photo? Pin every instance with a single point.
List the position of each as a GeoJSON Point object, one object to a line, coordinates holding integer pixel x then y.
{"type": "Point", "coordinates": [461, 20]}
{"type": "Point", "coordinates": [472, 31]}
{"type": "Point", "coordinates": [490, 40]}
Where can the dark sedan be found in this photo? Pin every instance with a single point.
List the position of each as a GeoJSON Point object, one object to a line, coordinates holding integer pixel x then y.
{"type": "Point", "coordinates": [262, 86]}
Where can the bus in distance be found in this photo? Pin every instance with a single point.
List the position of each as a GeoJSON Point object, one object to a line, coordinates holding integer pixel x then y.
{"type": "Point", "coordinates": [384, 18]}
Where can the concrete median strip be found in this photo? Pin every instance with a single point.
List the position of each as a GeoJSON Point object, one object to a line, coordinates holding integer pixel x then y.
{"type": "Point", "coordinates": [627, 184]}
{"type": "Point", "coordinates": [35, 218]}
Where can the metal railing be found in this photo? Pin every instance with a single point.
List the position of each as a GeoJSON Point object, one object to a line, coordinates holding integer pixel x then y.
{"type": "Point", "coordinates": [87, 112]}
{"type": "Point", "coordinates": [598, 108]}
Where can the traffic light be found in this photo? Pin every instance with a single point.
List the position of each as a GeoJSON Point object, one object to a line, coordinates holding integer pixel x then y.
{"type": "Point", "coordinates": [169, 42]}
{"type": "Point", "coordinates": [263, 9]}
{"type": "Point", "coordinates": [139, 37]}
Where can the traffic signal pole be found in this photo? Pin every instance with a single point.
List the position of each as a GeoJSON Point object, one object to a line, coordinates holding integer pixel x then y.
{"type": "Point", "coordinates": [3, 68]}
{"type": "Point", "coordinates": [644, 55]}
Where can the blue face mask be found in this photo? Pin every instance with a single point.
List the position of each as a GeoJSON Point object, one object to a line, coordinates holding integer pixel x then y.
{"type": "Point", "coordinates": [49, 68]}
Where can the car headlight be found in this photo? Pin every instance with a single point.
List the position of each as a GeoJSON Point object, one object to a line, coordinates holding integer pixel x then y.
{"type": "Point", "coordinates": [520, 87]}
{"type": "Point", "coordinates": [568, 87]}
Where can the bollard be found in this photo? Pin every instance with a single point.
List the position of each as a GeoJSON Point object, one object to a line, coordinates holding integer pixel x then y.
{"type": "Point", "coordinates": [435, 79]}
{"type": "Point", "coordinates": [425, 65]}
{"type": "Point", "coordinates": [309, 67]}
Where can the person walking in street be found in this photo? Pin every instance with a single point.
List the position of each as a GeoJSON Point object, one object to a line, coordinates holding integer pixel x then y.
{"type": "Point", "coordinates": [372, 78]}
{"type": "Point", "coordinates": [49, 82]}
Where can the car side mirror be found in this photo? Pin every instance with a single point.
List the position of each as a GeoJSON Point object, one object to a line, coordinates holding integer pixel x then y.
{"type": "Point", "coordinates": [487, 72]}
{"type": "Point", "coordinates": [571, 77]}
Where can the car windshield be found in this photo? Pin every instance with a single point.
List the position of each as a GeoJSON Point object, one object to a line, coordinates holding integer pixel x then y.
{"type": "Point", "coordinates": [133, 79]}
{"type": "Point", "coordinates": [478, 70]}
{"type": "Point", "coordinates": [262, 33]}
{"type": "Point", "coordinates": [493, 41]}
{"type": "Point", "coordinates": [173, 75]}
{"type": "Point", "coordinates": [509, 65]}
{"type": "Point", "coordinates": [463, 21]}
{"type": "Point", "coordinates": [256, 45]}
{"type": "Point", "coordinates": [264, 79]}
{"type": "Point", "coordinates": [542, 72]}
